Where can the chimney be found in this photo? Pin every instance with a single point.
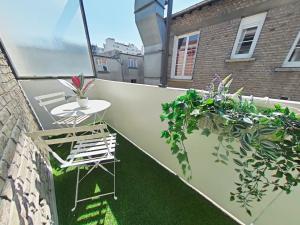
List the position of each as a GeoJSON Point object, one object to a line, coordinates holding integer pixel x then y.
{"type": "Point", "coordinates": [149, 18]}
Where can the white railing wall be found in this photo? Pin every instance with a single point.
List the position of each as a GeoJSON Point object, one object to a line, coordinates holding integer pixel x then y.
{"type": "Point", "coordinates": [135, 113]}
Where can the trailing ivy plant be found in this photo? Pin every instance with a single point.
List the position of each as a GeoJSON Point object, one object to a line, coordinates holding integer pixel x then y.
{"type": "Point", "coordinates": [268, 157]}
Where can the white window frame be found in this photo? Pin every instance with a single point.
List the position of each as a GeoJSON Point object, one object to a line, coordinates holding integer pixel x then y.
{"type": "Point", "coordinates": [286, 61]}
{"type": "Point", "coordinates": [246, 23]}
{"type": "Point", "coordinates": [175, 45]}
{"type": "Point", "coordinates": [132, 63]}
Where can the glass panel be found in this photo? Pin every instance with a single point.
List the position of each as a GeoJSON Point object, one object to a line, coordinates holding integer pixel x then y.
{"type": "Point", "coordinates": [45, 38]}
{"type": "Point", "coordinates": [178, 69]}
{"type": "Point", "coordinates": [191, 55]}
{"type": "Point", "coordinates": [246, 40]}
{"type": "Point", "coordinates": [295, 57]}
{"type": "Point", "coordinates": [180, 56]}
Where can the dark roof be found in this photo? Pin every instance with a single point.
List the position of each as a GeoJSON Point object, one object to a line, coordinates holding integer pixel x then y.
{"type": "Point", "coordinates": [193, 7]}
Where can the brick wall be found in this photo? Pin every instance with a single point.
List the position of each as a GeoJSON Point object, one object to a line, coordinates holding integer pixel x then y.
{"type": "Point", "coordinates": [26, 184]}
{"type": "Point", "coordinates": [218, 25]}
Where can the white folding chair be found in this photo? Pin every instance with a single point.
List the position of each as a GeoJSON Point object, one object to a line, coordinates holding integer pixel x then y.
{"type": "Point", "coordinates": [47, 102]}
{"type": "Point", "coordinates": [94, 147]}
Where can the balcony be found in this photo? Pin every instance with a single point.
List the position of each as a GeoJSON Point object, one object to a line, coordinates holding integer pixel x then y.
{"type": "Point", "coordinates": [150, 183]}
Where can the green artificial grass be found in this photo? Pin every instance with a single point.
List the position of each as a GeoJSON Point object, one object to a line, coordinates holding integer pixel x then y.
{"type": "Point", "coordinates": [147, 195]}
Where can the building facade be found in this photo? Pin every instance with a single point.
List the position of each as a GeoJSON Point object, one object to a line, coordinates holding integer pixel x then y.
{"type": "Point", "coordinates": [111, 45]}
{"type": "Point", "coordinates": [257, 41]}
{"type": "Point", "coordinates": [118, 66]}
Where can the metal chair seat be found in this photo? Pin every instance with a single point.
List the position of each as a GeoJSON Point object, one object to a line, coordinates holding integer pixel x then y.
{"type": "Point", "coordinates": [91, 146]}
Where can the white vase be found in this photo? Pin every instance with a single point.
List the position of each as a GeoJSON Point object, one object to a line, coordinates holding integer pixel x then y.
{"type": "Point", "coordinates": [83, 102]}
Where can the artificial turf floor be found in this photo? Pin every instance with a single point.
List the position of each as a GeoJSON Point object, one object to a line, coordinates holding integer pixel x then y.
{"type": "Point", "coordinates": [147, 195]}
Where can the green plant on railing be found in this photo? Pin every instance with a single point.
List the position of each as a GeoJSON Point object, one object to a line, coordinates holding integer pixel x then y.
{"type": "Point", "coordinates": [268, 157]}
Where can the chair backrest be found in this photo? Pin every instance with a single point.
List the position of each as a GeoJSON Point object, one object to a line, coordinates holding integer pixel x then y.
{"type": "Point", "coordinates": [74, 134]}
{"type": "Point", "coordinates": [45, 101]}
{"type": "Point", "coordinates": [49, 99]}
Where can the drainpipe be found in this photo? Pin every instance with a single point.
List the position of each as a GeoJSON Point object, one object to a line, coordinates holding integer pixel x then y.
{"type": "Point", "coordinates": [165, 58]}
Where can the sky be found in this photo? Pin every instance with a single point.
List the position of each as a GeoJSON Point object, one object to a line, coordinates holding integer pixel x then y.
{"type": "Point", "coordinates": [115, 18]}
{"type": "Point", "coordinates": [44, 24]}
{"type": "Point", "coordinates": [56, 26]}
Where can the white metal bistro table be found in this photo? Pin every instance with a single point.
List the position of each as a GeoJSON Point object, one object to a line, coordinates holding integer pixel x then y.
{"type": "Point", "coordinates": [73, 110]}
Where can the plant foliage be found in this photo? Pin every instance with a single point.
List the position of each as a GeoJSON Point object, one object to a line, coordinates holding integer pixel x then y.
{"type": "Point", "coordinates": [268, 157]}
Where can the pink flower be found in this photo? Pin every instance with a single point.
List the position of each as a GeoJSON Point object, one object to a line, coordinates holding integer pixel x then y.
{"type": "Point", "coordinates": [76, 81]}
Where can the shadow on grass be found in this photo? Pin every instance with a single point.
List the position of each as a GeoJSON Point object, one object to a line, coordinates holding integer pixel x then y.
{"type": "Point", "coordinates": [147, 195]}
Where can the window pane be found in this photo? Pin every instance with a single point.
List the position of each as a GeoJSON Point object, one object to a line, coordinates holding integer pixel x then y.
{"type": "Point", "coordinates": [191, 54]}
{"type": "Point", "coordinates": [45, 38]}
{"type": "Point", "coordinates": [180, 56]}
{"type": "Point", "coordinates": [246, 40]}
{"type": "Point", "coordinates": [295, 57]}
{"type": "Point", "coordinates": [178, 69]}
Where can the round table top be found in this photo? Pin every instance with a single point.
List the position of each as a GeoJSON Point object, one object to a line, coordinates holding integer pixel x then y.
{"type": "Point", "coordinates": [72, 109]}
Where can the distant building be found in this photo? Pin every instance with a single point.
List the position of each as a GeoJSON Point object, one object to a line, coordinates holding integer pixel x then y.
{"type": "Point", "coordinates": [117, 66]}
{"type": "Point", "coordinates": [111, 44]}
{"type": "Point", "coordinates": [96, 50]}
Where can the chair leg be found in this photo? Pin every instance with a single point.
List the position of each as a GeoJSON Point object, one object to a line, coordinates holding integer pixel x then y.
{"type": "Point", "coordinates": [76, 192]}
{"type": "Point", "coordinates": [115, 197]}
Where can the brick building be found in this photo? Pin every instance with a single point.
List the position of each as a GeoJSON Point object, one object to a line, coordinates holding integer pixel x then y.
{"type": "Point", "coordinates": [26, 183]}
{"type": "Point", "coordinates": [258, 41]}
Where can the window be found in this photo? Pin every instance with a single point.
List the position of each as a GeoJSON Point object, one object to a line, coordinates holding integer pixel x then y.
{"type": "Point", "coordinates": [247, 36]}
{"type": "Point", "coordinates": [132, 63]}
{"type": "Point", "coordinates": [184, 55]}
{"type": "Point", "coordinates": [102, 64]}
{"type": "Point", "coordinates": [45, 38]}
{"type": "Point", "coordinates": [293, 57]}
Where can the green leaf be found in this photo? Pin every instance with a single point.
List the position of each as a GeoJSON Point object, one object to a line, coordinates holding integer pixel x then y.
{"type": "Point", "coordinates": [247, 138]}
{"type": "Point", "coordinates": [246, 143]}
{"type": "Point", "coordinates": [232, 198]}
{"type": "Point", "coordinates": [243, 151]}
{"type": "Point", "coordinates": [277, 107]}
{"type": "Point", "coordinates": [175, 149]}
{"type": "Point", "coordinates": [248, 173]}
{"type": "Point", "coordinates": [267, 130]}
{"type": "Point", "coordinates": [249, 212]}
{"type": "Point", "coordinates": [268, 144]}
{"type": "Point", "coordinates": [289, 177]}
{"type": "Point", "coordinates": [238, 162]}
{"type": "Point", "coordinates": [258, 164]}
{"type": "Point", "coordinates": [206, 132]}
{"type": "Point", "coordinates": [220, 138]}
{"type": "Point", "coordinates": [240, 126]}
{"type": "Point", "coordinates": [165, 134]}
{"type": "Point", "coordinates": [209, 101]}
{"type": "Point", "coordinates": [230, 147]}
{"type": "Point", "coordinates": [165, 107]}
{"type": "Point", "coordinates": [181, 157]}
{"type": "Point", "coordinates": [224, 157]}
{"type": "Point", "coordinates": [279, 174]}
{"type": "Point", "coordinates": [163, 117]}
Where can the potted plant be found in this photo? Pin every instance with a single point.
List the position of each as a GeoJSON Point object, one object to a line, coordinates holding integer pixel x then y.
{"type": "Point", "coordinates": [79, 87]}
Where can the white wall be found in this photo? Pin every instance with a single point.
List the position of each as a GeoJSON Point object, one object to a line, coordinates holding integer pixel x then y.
{"type": "Point", "coordinates": [135, 113]}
